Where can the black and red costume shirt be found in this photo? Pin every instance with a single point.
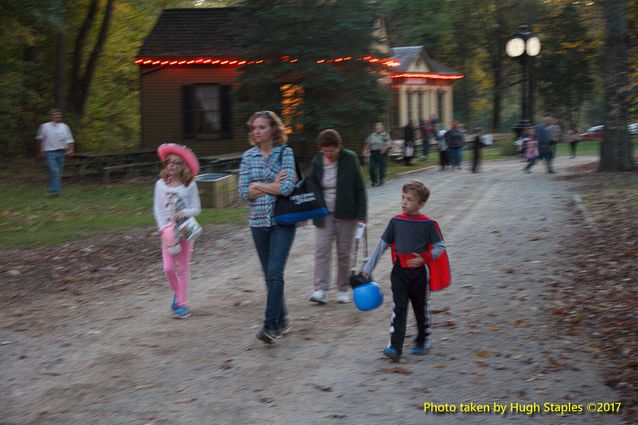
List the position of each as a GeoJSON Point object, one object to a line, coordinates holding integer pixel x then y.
{"type": "Point", "coordinates": [410, 235]}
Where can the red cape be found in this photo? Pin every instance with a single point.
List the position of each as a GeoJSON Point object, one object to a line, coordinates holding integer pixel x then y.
{"type": "Point", "coordinates": [440, 276]}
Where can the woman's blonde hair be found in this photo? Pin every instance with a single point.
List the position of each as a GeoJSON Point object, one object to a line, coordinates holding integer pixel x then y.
{"type": "Point", "coordinates": [279, 129]}
{"type": "Point", "coordinates": [185, 174]}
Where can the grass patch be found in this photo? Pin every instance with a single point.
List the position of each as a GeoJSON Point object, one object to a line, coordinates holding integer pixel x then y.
{"type": "Point", "coordinates": [29, 218]}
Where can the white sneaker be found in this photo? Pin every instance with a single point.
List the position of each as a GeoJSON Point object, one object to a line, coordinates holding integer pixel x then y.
{"type": "Point", "coordinates": [319, 296]}
{"type": "Point", "coordinates": [343, 297]}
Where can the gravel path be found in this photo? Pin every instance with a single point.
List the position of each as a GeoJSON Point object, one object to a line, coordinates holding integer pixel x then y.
{"type": "Point", "coordinates": [114, 355]}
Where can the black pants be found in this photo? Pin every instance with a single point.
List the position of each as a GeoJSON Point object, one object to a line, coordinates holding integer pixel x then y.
{"type": "Point", "coordinates": [573, 146]}
{"type": "Point", "coordinates": [476, 160]}
{"type": "Point", "coordinates": [547, 154]}
{"type": "Point", "coordinates": [444, 159]}
{"type": "Point", "coordinates": [409, 285]}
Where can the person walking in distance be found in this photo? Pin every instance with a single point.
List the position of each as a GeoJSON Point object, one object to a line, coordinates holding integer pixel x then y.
{"type": "Point", "coordinates": [531, 150]}
{"type": "Point", "coordinates": [477, 145]}
{"type": "Point", "coordinates": [573, 138]}
{"type": "Point", "coordinates": [408, 143]}
{"type": "Point", "coordinates": [377, 145]}
{"type": "Point", "coordinates": [545, 143]}
{"type": "Point", "coordinates": [444, 152]}
{"type": "Point", "coordinates": [454, 139]}
{"type": "Point", "coordinates": [426, 132]}
{"type": "Point", "coordinates": [56, 142]}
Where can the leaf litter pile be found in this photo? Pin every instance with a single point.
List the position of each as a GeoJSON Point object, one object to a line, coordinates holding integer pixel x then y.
{"type": "Point", "coordinates": [595, 297]}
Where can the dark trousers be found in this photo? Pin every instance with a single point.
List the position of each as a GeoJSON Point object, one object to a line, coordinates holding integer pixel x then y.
{"type": "Point", "coordinates": [408, 160]}
{"type": "Point", "coordinates": [573, 146]}
{"type": "Point", "coordinates": [273, 246]}
{"type": "Point", "coordinates": [426, 147]}
{"type": "Point", "coordinates": [443, 159]}
{"type": "Point", "coordinates": [547, 154]}
{"type": "Point", "coordinates": [378, 164]}
{"type": "Point", "coordinates": [476, 160]}
{"type": "Point", "coordinates": [409, 285]}
{"type": "Point", "coordinates": [456, 156]}
{"type": "Point", "coordinates": [530, 163]}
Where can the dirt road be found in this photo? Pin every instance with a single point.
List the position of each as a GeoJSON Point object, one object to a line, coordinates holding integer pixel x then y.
{"type": "Point", "coordinates": [114, 354]}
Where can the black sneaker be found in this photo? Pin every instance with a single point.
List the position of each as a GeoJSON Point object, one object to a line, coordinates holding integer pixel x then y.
{"type": "Point", "coordinates": [266, 336]}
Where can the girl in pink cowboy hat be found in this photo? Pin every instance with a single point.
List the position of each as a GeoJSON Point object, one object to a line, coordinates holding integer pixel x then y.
{"type": "Point", "coordinates": [176, 199]}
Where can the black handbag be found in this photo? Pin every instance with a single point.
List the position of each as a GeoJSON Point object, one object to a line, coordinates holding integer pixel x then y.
{"type": "Point", "coordinates": [304, 203]}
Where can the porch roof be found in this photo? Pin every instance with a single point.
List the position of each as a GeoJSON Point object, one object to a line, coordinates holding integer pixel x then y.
{"type": "Point", "coordinates": [408, 55]}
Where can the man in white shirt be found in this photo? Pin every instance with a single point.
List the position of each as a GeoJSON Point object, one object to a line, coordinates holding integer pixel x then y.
{"type": "Point", "coordinates": [56, 142]}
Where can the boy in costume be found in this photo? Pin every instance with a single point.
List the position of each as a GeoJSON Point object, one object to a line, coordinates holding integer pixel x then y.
{"type": "Point", "coordinates": [420, 263]}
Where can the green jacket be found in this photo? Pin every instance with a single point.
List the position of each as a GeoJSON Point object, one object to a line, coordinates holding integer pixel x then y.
{"type": "Point", "coordinates": [352, 198]}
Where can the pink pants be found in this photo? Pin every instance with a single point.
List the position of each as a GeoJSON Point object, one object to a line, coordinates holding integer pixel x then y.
{"type": "Point", "coordinates": [177, 267]}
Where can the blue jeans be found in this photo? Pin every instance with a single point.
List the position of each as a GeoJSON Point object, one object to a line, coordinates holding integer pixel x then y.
{"type": "Point", "coordinates": [55, 164]}
{"type": "Point", "coordinates": [457, 156]}
{"type": "Point", "coordinates": [273, 246]}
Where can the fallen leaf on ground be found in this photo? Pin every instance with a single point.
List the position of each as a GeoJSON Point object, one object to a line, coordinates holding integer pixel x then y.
{"type": "Point", "coordinates": [399, 370]}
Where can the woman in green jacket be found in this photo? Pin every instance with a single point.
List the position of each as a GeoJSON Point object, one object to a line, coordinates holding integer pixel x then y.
{"type": "Point", "coordinates": [337, 171]}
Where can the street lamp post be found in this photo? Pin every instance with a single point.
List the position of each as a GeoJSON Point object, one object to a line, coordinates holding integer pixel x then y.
{"type": "Point", "coordinates": [525, 45]}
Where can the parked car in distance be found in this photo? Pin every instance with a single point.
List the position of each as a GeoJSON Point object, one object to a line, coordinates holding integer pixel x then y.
{"type": "Point", "coordinates": [596, 132]}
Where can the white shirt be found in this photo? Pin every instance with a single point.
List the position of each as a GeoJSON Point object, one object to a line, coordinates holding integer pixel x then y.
{"type": "Point", "coordinates": [329, 184]}
{"type": "Point", "coordinates": [54, 136]}
{"type": "Point", "coordinates": [169, 200]}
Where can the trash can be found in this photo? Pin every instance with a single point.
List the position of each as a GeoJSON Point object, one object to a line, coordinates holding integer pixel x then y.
{"type": "Point", "coordinates": [217, 190]}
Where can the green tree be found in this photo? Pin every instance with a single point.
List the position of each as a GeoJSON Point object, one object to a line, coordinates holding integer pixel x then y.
{"type": "Point", "coordinates": [24, 82]}
{"type": "Point", "coordinates": [293, 38]}
{"type": "Point", "coordinates": [565, 67]}
{"type": "Point", "coordinates": [426, 22]}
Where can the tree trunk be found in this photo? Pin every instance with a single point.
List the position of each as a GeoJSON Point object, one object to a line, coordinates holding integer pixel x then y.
{"type": "Point", "coordinates": [81, 79]}
{"type": "Point", "coordinates": [89, 71]}
{"type": "Point", "coordinates": [78, 53]}
{"type": "Point", "coordinates": [496, 49]}
{"type": "Point", "coordinates": [616, 148]}
{"type": "Point", "coordinates": [60, 63]}
{"type": "Point", "coordinates": [497, 94]}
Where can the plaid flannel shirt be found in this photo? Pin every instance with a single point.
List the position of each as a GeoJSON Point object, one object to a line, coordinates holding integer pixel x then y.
{"type": "Point", "coordinates": [255, 168]}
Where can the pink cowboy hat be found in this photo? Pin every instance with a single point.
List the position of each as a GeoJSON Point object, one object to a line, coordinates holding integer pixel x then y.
{"type": "Point", "coordinates": [182, 151]}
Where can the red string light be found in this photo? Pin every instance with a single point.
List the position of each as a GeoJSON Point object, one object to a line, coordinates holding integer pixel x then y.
{"type": "Point", "coordinates": [232, 61]}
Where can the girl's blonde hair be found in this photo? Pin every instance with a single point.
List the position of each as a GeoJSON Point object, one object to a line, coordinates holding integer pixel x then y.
{"type": "Point", "coordinates": [279, 129]}
{"type": "Point", "coordinates": [185, 174]}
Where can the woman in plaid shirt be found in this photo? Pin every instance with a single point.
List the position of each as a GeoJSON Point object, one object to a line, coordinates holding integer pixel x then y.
{"type": "Point", "coordinates": [265, 172]}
